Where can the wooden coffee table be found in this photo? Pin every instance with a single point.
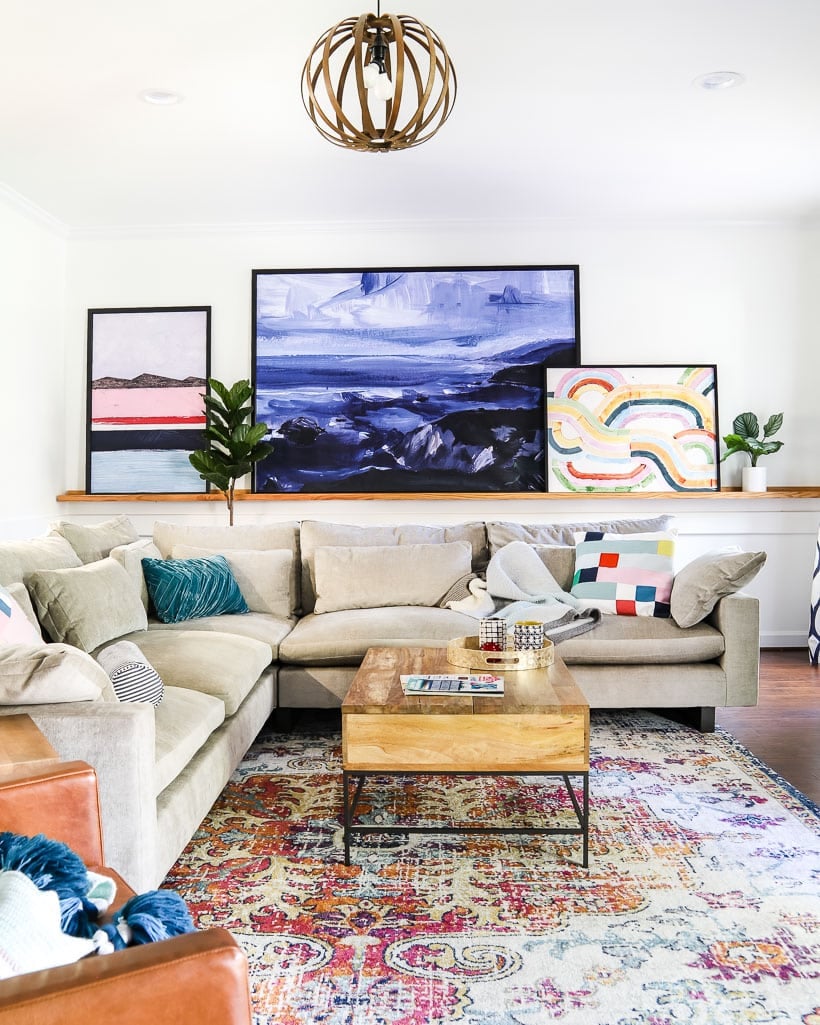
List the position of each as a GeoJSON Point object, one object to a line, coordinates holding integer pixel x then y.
{"type": "Point", "coordinates": [540, 727]}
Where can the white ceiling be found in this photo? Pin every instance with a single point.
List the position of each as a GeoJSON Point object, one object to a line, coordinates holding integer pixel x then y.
{"type": "Point", "coordinates": [570, 109]}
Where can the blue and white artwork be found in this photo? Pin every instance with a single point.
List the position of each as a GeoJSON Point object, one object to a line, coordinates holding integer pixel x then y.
{"type": "Point", "coordinates": [408, 380]}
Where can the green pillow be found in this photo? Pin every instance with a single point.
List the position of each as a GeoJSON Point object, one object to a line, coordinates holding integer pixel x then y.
{"type": "Point", "coordinates": [183, 589]}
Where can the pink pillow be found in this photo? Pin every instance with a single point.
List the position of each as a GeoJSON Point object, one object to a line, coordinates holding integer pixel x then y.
{"type": "Point", "coordinates": [15, 627]}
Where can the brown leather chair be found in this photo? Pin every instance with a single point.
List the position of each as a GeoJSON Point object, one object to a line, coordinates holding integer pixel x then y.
{"type": "Point", "coordinates": [200, 977]}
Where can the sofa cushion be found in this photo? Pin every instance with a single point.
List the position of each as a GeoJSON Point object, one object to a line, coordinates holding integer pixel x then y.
{"type": "Point", "coordinates": [19, 558]}
{"type": "Point", "coordinates": [377, 575]}
{"type": "Point", "coordinates": [87, 606]}
{"type": "Point", "coordinates": [132, 675]}
{"type": "Point", "coordinates": [49, 674]}
{"type": "Point", "coordinates": [183, 589]}
{"type": "Point", "coordinates": [264, 577]}
{"type": "Point", "coordinates": [560, 561]}
{"type": "Point", "coordinates": [15, 626]}
{"type": "Point", "coordinates": [254, 537]}
{"type": "Point", "coordinates": [501, 533]}
{"type": "Point", "coordinates": [624, 575]}
{"type": "Point", "coordinates": [93, 541]}
{"type": "Point", "coordinates": [257, 625]}
{"type": "Point", "coordinates": [183, 723]}
{"type": "Point", "coordinates": [642, 640]}
{"type": "Point", "coordinates": [342, 638]}
{"type": "Point", "coordinates": [222, 665]}
{"type": "Point", "coordinates": [130, 557]}
{"type": "Point", "coordinates": [700, 585]}
{"type": "Point", "coordinates": [319, 534]}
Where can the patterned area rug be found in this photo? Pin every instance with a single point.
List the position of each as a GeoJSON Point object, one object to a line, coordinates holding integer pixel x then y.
{"type": "Point", "coordinates": [701, 904]}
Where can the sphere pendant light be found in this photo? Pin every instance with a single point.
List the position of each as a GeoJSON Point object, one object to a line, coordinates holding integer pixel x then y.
{"type": "Point", "coordinates": [378, 83]}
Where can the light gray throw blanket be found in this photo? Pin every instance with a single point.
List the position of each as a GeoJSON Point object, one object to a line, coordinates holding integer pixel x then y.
{"type": "Point", "coordinates": [521, 587]}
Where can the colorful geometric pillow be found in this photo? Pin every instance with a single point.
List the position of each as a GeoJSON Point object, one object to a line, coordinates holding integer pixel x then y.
{"type": "Point", "coordinates": [625, 575]}
{"type": "Point", "coordinates": [192, 588]}
{"type": "Point", "coordinates": [15, 626]}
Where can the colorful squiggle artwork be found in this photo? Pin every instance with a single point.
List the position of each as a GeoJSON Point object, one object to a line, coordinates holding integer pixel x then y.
{"type": "Point", "coordinates": [624, 429]}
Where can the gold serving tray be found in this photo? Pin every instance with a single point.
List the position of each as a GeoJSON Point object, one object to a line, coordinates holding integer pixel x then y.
{"type": "Point", "coordinates": [465, 652]}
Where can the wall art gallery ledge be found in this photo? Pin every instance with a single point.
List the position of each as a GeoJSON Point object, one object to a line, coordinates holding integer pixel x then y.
{"type": "Point", "coordinates": [777, 493]}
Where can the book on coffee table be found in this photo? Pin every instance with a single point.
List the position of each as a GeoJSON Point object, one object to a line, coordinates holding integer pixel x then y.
{"type": "Point", "coordinates": [475, 684]}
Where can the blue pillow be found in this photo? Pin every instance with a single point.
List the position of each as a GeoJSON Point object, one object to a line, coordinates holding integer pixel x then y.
{"type": "Point", "coordinates": [192, 588]}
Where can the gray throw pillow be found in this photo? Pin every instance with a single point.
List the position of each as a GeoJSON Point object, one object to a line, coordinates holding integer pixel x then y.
{"type": "Point", "coordinates": [87, 606]}
{"type": "Point", "coordinates": [700, 585]}
{"type": "Point", "coordinates": [93, 541]}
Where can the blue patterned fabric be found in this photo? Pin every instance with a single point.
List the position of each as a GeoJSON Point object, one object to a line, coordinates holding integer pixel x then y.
{"type": "Point", "coordinates": [814, 619]}
{"type": "Point", "coordinates": [183, 589]}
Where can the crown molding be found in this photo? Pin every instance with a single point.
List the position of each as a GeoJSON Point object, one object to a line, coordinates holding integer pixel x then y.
{"type": "Point", "coordinates": [16, 201]}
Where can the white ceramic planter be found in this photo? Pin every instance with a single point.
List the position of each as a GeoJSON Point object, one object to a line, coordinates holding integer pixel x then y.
{"type": "Point", "coordinates": [753, 478]}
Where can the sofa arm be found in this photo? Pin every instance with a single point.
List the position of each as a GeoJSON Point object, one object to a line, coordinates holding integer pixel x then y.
{"type": "Point", "coordinates": [200, 977]}
{"type": "Point", "coordinates": [117, 740]}
{"type": "Point", "coordinates": [737, 616]}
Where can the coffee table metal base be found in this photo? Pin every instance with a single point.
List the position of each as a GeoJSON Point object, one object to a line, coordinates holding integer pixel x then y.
{"type": "Point", "coordinates": [353, 780]}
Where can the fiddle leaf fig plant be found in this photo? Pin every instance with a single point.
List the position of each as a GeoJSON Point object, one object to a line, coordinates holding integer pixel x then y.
{"type": "Point", "coordinates": [234, 444]}
{"type": "Point", "coordinates": [746, 436]}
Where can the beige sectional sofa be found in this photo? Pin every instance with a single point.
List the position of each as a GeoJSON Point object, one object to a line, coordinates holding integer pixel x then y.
{"type": "Point", "coordinates": [319, 595]}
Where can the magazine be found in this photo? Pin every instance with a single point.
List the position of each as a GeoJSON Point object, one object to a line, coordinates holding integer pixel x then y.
{"type": "Point", "coordinates": [475, 684]}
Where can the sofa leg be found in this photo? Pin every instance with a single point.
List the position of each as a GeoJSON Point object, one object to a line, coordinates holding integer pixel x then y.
{"type": "Point", "coordinates": [283, 720]}
{"type": "Point", "coordinates": [705, 719]}
{"type": "Point", "coordinates": [701, 717]}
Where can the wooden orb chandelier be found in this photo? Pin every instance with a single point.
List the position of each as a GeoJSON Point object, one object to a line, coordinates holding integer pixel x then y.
{"type": "Point", "coordinates": [378, 83]}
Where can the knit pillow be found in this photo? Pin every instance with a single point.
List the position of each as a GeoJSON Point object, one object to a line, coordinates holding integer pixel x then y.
{"type": "Point", "coordinates": [132, 675]}
{"type": "Point", "coordinates": [625, 575]}
{"type": "Point", "coordinates": [183, 589]}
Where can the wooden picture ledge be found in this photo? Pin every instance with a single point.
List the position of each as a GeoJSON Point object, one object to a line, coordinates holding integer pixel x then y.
{"type": "Point", "coordinates": [500, 496]}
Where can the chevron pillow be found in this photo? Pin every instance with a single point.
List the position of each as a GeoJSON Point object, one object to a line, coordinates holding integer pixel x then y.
{"type": "Point", "coordinates": [183, 589]}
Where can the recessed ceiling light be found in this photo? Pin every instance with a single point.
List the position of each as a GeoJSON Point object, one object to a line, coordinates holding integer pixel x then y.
{"type": "Point", "coordinates": [160, 97]}
{"type": "Point", "coordinates": [719, 80]}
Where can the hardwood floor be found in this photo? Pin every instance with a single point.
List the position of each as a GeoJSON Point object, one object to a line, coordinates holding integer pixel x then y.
{"type": "Point", "coordinates": [784, 729]}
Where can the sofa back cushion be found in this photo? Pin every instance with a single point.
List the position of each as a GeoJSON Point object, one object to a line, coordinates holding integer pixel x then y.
{"type": "Point", "coordinates": [380, 576]}
{"type": "Point", "coordinates": [93, 541]}
{"type": "Point", "coordinates": [19, 558]}
{"type": "Point", "coordinates": [319, 534]}
{"type": "Point", "coordinates": [253, 537]}
{"type": "Point", "coordinates": [264, 578]}
{"type": "Point", "coordinates": [88, 605]}
{"type": "Point", "coordinates": [502, 533]}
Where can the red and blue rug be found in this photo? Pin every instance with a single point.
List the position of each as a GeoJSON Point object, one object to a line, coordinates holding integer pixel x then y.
{"type": "Point", "coordinates": [701, 905]}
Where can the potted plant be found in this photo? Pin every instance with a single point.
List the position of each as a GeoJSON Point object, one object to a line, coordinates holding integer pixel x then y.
{"type": "Point", "coordinates": [745, 437]}
{"type": "Point", "coordinates": [234, 444]}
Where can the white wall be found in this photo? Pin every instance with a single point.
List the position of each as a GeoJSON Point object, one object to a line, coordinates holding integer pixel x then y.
{"type": "Point", "coordinates": [32, 407]}
{"type": "Point", "coordinates": [743, 297]}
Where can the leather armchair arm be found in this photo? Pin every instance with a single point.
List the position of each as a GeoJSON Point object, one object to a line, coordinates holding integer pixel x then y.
{"type": "Point", "coordinates": [60, 801]}
{"type": "Point", "coordinates": [200, 977]}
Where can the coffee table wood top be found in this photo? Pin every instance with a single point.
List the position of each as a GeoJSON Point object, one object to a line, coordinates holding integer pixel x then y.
{"type": "Point", "coordinates": [541, 724]}
{"type": "Point", "coordinates": [376, 688]}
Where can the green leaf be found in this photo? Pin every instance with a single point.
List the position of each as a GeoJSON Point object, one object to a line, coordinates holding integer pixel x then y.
{"type": "Point", "coordinates": [746, 425]}
{"type": "Point", "coordinates": [219, 388]}
{"type": "Point", "coordinates": [773, 425]}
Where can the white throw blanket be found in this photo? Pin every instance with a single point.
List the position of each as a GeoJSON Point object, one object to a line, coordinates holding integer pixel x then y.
{"type": "Point", "coordinates": [521, 587]}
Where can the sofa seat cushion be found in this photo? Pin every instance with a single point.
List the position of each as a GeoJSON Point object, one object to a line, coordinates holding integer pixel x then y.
{"type": "Point", "coordinates": [342, 638]}
{"type": "Point", "coordinates": [222, 665]}
{"type": "Point", "coordinates": [183, 722]}
{"type": "Point", "coordinates": [258, 625]}
{"type": "Point", "coordinates": [642, 640]}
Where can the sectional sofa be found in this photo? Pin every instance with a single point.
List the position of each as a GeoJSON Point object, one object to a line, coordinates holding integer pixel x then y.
{"type": "Point", "coordinates": [318, 594]}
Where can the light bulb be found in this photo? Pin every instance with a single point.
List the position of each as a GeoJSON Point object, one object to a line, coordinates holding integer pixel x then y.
{"type": "Point", "coordinates": [370, 75]}
{"type": "Point", "coordinates": [383, 89]}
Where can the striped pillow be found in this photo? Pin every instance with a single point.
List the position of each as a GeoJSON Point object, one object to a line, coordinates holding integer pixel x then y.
{"type": "Point", "coordinates": [183, 589]}
{"type": "Point", "coordinates": [132, 675]}
{"type": "Point", "coordinates": [625, 575]}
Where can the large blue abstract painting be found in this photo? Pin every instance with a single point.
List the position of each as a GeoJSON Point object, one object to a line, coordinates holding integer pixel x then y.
{"type": "Point", "coordinates": [408, 380]}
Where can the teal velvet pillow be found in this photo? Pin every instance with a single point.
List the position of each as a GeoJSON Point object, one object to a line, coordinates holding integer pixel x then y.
{"type": "Point", "coordinates": [183, 589]}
